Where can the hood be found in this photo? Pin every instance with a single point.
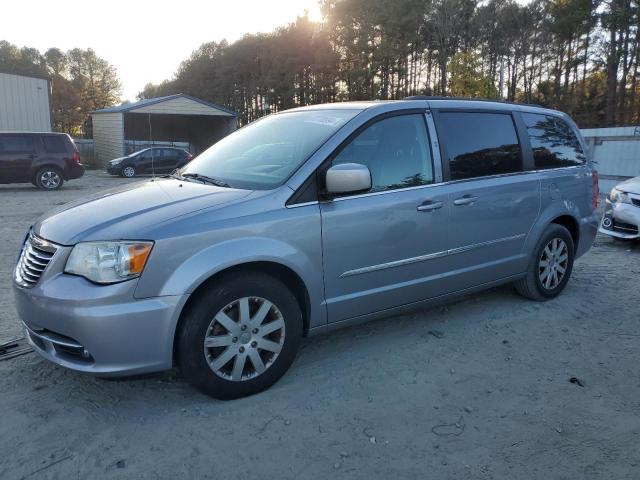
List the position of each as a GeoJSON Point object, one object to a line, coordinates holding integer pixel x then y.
{"type": "Point", "coordinates": [630, 186]}
{"type": "Point", "coordinates": [127, 212]}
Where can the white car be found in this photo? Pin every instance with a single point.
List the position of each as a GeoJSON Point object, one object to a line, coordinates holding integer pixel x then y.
{"type": "Point", "coordinates": [622, 213]}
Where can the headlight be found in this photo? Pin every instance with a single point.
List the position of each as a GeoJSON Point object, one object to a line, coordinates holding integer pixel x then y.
{"type": "Point", "coordinates": [116, 162]}
{"type": "Point", "coordinates": [108, 262]}
{"type": "Point", "coordinates": [618, 196]}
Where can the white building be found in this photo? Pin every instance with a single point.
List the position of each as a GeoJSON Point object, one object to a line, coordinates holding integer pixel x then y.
{"type": "Point", "coordinates": [24, 104]}
{"type": "Point", "coordinates": [616, 151]}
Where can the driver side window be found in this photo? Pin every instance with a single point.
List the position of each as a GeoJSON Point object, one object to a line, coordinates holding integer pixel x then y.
{"type": "Point", "coordinates": [396, 151]}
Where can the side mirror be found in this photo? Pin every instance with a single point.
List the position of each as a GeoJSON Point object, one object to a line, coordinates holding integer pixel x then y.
{"type": "Point", "coordinates": [348, 178]}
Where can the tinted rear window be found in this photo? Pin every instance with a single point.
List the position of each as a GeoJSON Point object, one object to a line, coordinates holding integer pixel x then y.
{"type": "Point", "coordinates": [170, 153]}
{"type": "Point", "coordinates": [553, 142]}
{"type": "Point", "coordinates": [480, 144]}
{"type": "Point", "coordinates": [54, 144]}
{"type": "Point", "coordinates": [16, 143]}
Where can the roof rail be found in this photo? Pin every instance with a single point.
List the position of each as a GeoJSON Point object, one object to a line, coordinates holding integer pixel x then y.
{"type": "Point", "coordinates": [469, 99]}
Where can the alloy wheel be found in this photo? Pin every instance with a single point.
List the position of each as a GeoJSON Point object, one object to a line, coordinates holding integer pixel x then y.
{"type": "Point", "coordinates": [128, 172]}
{"type": "Point", "coordinates": [244, 338]}
{"type": "Point", "coordinates": [553, 263]}
{"type": "Point", "coordinates": [50, 179]}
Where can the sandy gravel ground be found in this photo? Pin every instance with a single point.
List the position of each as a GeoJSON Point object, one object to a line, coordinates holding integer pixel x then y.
{"type": "Point", "coordinates": [477, 389]}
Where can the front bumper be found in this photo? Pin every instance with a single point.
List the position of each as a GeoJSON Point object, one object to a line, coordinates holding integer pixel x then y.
{"type": "Point", "coordinates": [98, 329]}
{"type": "Point", "coordinates": [114, 169]}
{"type": "Point", "coordinates": [621, 220]}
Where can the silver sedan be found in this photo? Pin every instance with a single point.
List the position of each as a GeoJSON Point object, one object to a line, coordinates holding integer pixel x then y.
{"type": "Point", "coordinates": [622, 213]}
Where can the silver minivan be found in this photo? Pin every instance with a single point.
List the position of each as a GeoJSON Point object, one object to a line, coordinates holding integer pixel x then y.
{"type": "Point", "coordinates": [304, 221]}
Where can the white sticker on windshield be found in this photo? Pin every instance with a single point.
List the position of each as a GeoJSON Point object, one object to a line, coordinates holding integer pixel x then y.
{"type": "Point", "coordinates": [325, 120]}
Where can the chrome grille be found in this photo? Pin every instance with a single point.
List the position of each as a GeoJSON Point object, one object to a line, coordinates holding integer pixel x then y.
{"type": "Point", "coordinates": [34, 258]}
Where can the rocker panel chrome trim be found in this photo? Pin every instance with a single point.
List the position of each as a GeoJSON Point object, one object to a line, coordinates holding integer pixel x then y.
{"type": "Point", "coordinates": [430, 256]}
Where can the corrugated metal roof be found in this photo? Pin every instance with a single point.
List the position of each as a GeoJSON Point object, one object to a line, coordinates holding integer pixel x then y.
{"type": "Point", "coordinates": [31, 75]}
{"type": "Point", "coordinates": [152, 101]}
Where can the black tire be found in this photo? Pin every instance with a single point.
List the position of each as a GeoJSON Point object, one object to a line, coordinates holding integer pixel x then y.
{"type": "Point", "coordinates": [49, 178]}
{"type": "Point", "coordinates": [196, 324]}
{"type": "Point", "coordinates": [128, 171]}
{"type": "Point", "coordinates": [531, 285]}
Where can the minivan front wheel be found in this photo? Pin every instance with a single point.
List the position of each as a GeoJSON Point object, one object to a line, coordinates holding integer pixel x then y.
{"type": "Point", "coordinates": [49, 178]}
{"type": "Point", "coordinates": [551, 265]}
{"type": "Point", "coordinates": [240, 336]}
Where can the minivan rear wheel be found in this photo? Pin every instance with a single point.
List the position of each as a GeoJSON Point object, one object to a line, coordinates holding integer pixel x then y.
{"type": "Point", "coordinates": [49, 178]}
{"type": "Point", "coordinates": [550, 267]}
{"type": "Point", "coordinates": [239, 336]}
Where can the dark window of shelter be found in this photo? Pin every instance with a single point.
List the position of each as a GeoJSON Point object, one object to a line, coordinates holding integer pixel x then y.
{"type": "Point", "coordinates": [480, 144]}
{"type": "Point", "coordinates": [553, 142]}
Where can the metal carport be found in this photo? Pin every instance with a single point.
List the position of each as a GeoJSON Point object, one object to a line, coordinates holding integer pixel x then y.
{"type": "Point", "coordinates": [172, 119]}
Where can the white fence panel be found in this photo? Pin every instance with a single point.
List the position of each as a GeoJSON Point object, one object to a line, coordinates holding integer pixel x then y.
{"type": "Point", "coordinates": [616, 152]}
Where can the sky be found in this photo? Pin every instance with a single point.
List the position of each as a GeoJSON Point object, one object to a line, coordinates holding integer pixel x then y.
{"type": "Point", "coordinates": [144, 40]}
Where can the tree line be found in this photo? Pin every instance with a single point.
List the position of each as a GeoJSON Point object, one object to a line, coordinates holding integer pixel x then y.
{"type": "Point", "coordinates": [81, 82]}
{"type": "Point", "coordinates": [579, 56]}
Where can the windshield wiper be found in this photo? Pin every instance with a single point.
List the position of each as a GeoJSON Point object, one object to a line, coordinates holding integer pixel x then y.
{"type": "Point", "coordinates": [174, 174]}
{"type": "Point", "coordinates": [205, 179]}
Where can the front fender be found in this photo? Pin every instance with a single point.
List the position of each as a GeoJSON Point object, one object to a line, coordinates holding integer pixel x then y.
{"type": "Point", "coordinates": [201, 266]}
{"type": "Point", "coordinates": [193, 271]}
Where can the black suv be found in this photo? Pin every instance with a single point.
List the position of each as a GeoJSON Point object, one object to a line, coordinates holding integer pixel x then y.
{"type": "Point", "coordinates": [149, 160]}
{"type": "Point", "coordinates": [44, 159]}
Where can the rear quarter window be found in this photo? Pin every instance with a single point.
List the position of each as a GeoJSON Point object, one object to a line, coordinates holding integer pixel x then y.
{"type": "Point", "coordinates": [479, 144]}
{"type": "Point", "coordinates": [54, 144]}
{"type": "Point", "coordinates": [554, 143]}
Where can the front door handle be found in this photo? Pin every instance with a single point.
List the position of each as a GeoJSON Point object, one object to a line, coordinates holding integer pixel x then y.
{"type": "Point", "coordinates": [465, 200]}
{"type": "Point", "coordinates": [429, 205]}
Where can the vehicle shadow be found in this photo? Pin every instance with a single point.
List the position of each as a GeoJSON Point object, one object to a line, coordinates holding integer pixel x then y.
{"type": "Point", "coordinates": [27, 187]}
{"type": "Point", "coordinates": [618, 244]}
{"type": "Point", "coordinates": [318, 360]}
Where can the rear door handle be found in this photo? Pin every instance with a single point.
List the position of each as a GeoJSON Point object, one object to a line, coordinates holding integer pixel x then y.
{"type": "Point", "coordinates": [429, 205]}
{"type": "Point", "coordinates": [465, 200]}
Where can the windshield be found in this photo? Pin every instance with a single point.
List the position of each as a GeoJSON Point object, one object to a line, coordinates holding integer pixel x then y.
{"type": "Point", "coordinates": [135, 154]}
{"type": "Point", "coordinates": [265, 153]}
